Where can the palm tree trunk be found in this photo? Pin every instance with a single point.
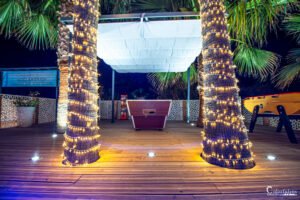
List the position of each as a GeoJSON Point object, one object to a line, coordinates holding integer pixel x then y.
{"type": "Point", "coordinates": [225, 142]}
{"type": "Point", "coordinates": [81, 144]}
{"type": "Point", "coordinates": [62, 54]}
{"type": "Point", "coordinates": [200, 91]}
{"type": "Point", "coordinates": [63, 64]}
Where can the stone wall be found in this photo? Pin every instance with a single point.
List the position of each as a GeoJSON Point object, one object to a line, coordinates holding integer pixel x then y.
{"type": "Point", "coordinates": [178, 110]}
{"type": "Point", "coordinates": [178, 113]}
{"type": "Point", "coordinates": [270, 121]}
{"type": "Point", "coordinates": [45, 112]}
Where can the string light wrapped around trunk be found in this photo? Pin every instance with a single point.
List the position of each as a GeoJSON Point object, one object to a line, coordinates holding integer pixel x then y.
{"type": "Point", "coordinates": [225, 140]}
{"type": "Point", "coordinates": [81, 145]}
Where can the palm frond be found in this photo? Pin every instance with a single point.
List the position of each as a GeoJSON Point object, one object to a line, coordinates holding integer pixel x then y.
{"type": "Point", "coordinates": [37, 32]}
{"type": "Point", "coordinates": [50, 8]}
{"type": "Point", "coordinates": [255, 62]}
{"type": "Point", "coordinates": [12, 12]}
{"type": "Point", "coordinates": [121, 6]}
{"type": "Point", "coordinates": [165, 5]}
{"type": "Point", "coordinates": [153, 5]}
{"type": "Point", "coordinates": [250, 21]}
{"type": "Point", "coordinates": [292, 25]}
{"type": "Point", "coordinates": [290, 72]}
{"type": "Point", "coordinates": [163, 81]}
{"type": "Point", "coordinates": [193, 75]}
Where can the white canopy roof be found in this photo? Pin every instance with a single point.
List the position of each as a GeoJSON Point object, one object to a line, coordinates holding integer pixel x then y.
{"type": "Point", "coordinates": [154, 46]}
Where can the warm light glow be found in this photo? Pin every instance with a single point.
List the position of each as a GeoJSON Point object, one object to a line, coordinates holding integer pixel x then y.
{"type": "Point", "coordinates": [81, 145]}
{"type": "Point", "coordinates": [225, 141]}
{"type": "Point", "coordinates": [35, 158]}
{"type": "Point", "coordinates": [271, 157]}
{"type": "Point", "coordinates": [62, 115]}
{"type": "Point", "coordinates": [193, 124]}
{"type": "Point", "coordinates": [151, 154]}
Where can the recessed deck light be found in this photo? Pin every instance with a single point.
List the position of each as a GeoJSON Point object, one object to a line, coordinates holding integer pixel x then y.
{"type": "Point", "coordinates": [193, 124]}
{"type": "Point", "coordinates": [35, 158]}
{"type": "Point", "coordinates": [151, 154]}
{"type": "Point", "coordinates": [54, 135]}
{"type": "Point", "coordinates": [271, 157]}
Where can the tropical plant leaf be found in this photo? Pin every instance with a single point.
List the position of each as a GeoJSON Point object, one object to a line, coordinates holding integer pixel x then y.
{"type": "Point", "coordinates": [292, 25]}
{"type": "Point", "coordinates": [153, 5]}
{"type": "Point", "coordinates": [255, 62]}
{"type": "Point", "coordinates": [193, 75]}
{"type": "Point", "coordinates": [12, 13]}
{"type": "Point", "coordinates": [163, 81]}
{"type": "Point", "coordinates": [37, 32]}
{"type": "Point", "coordinates": [250, 21]}
{"type": "Point", "coordinates": [290, 72]}
{"type": "Point", "coordinates": [165, 5]}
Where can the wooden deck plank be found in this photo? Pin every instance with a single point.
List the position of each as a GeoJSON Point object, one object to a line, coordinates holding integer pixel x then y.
{"type": "Point", "coordinates": [126, 172]}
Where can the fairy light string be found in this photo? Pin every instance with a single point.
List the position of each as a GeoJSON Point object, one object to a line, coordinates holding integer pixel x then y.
{"type": "Point", "coordinates": [81, 145]}
{"type": "Point", "coordinates": [225, 140]}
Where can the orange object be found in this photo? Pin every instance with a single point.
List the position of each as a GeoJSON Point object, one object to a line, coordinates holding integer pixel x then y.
{"type": "Point", "coordinates": [123, 115]}
{"type": "Point", "coordinates": [269, 103]}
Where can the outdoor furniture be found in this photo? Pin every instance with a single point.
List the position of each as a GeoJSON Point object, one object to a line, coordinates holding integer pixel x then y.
{"type": "Point", "coordinates": [149, 114]}
{"type": "Point", "coordinates": [285, 106]}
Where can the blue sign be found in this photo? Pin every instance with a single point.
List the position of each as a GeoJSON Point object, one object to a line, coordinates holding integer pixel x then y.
{"type": "Point", "coordinates": [37, 78]}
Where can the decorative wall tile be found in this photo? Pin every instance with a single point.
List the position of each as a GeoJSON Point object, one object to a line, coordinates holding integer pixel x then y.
{"type": "Point", "coordinates": [194, 110]}
{"type": "Point", "coordinates": [176, 111]}
{"type": "Point", "coordinates": [105, 109]}
{"type": "Point", "coordinates": [47, 109]}
{"type": "Point", "coordinates": [273, 120]}
{"type": "Point", "coordinates": [9, 117]}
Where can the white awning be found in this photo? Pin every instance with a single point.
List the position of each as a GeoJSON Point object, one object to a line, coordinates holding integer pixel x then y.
{"type": "Point", "coordinates": [154, 46]}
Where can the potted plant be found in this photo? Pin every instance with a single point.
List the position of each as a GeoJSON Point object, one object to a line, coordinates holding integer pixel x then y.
{"type": "Point", "coordinates": [26, 108]}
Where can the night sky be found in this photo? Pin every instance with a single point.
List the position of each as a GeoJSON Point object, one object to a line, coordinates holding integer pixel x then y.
{"type": "Point", "coordinates": [13, 54]}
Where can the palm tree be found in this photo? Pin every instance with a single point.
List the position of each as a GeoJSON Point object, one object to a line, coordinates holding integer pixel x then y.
{"type": "Point", "coordinates": [163, 81]}
{"type": "Point", "coordinates": [36, 24]}
{"type": "Point", "coordinates": [245, 18]}
{"type": "Point", "coordinates": [225, 142]}
{"type": "Point", "coordinates": [81, 139]}
{"type": "Point", "coordinates": [291, 72]}
{"type": "Point", "coordinates": [116, 6]}
{"type": "Point", "coordinates": [32, 23]}
{"type": "Point", "coordinates": [63, 49]}
{"type": "Point", "coordinates": [165, 5]}
{"type": "Point", "coordinates": [200, 122]}
{"type": "Point", "coordinates": [249, 25]}
{"type": "Point", "coordinates": [246, 68]}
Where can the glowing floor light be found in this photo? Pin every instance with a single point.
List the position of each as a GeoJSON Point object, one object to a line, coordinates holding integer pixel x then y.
{"type": "Point", "coordinates": [35, 158]}
{"type": "Point", "coordinates": [271, 157]}
{"type": "Point", "coordinates": [54, 135]}
{"type": "Point", "coordinates": [151, 154]}
{"type": "Point", "coordinates": [193, 124]}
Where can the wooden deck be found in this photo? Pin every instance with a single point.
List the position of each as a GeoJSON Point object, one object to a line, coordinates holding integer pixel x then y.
{"type": "Point", "coordinates": [126, 172]}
